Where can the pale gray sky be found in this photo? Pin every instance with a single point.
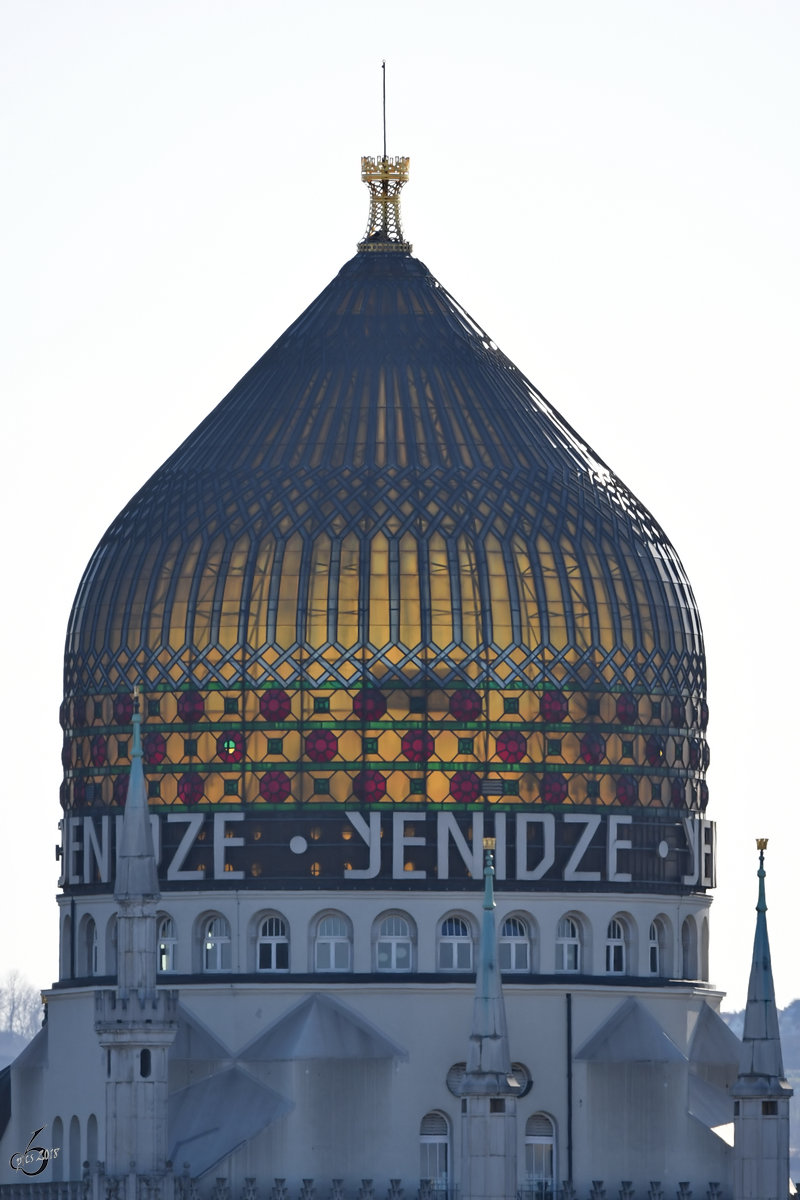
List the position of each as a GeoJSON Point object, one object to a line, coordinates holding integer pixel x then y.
{"type": "Point", "coordinates": [610, 189]}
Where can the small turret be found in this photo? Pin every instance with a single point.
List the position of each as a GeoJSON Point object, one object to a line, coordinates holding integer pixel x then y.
{"type": "Point", "coordinates": [761, 1094]}
{"type": "Point", "coordinates": [136, 1022]}
{"type": "Point", "coordinates": [489, 1091]}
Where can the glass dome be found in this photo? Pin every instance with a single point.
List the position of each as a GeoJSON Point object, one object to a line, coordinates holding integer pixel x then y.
{"type": "Point", "coordinates": [385, 571]}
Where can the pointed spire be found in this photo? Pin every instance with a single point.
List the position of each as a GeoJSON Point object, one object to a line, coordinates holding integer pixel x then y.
{"type": "Point", "coordinates": [761, 1044]}
{"type": "Point", "coordinates": [137, 877]}
{"type": "Point", "coordinates": [384, 177]}
{"type": "Point", "coordinates": [489, 1064]}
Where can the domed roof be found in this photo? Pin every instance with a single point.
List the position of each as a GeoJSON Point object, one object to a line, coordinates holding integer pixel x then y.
{"type": "Point", "coordinates": [384, 523]}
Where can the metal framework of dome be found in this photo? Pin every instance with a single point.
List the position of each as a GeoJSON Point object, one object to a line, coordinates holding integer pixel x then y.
{"type": "Point", "coordinates": [385, 568]}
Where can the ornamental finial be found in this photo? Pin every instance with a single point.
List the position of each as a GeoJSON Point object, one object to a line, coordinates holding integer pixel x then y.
{"type": "Point", "coordinates": [384, 177]}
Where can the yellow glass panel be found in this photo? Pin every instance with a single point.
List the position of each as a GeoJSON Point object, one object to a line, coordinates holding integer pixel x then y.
{"type": "Point", "coordinates": [257, 747]}
{"type": "Point", "coordinates": [347, 625]}
{"type": "Point", "coordinates": [646, 622]}
{"type": "Point", "coordinates": [292, 744]}
{"type": "Point", "coordinates": [553, 595]}
{"type": "Point", "coordinates": [581, 601]}
{"type": "Point", "coordinates": [232, 593]}
{"type": "Point", "coordinates": [441, 597]}
{"type": "Point", "coordinates": [397, 788]}
{"type": "Point", "coordinates": [169, 789]}
{"type": "Point", "coordinates": [401, 449]}
{"type": "Point", "coordinates": [379, 445]}
{"type": "Point", "coordinates": [379, 590]}
{"type": "Point", "coordinates": [341, 787]}
{"type": "Point", "coordinates": [250, 786]}
{"type": "Point", "coordinates": [141, 583]}
{"type": "Point", "coordinates": [437, 787]}
{"type": "Point", "coordinates": [621, 592]}
{"type": "Point", "coordinates": [390, 747]}
{"type": "Point", "coordinates": [286, 623]}
{"type": "Point", "coordinates": [317, 617]}
{"type": "Point", "coordinates": [178, 633]}
{"type": "Point", "coordinates": [206, 745]}
{"type": "Point", "coordinates": [214, 790]}
{"type": "Point", "coordinates": [498, 588]}
{"type": "Point", "coordinates": [470, 594]}
{"type": "Point", "coordinates": [605, 618]}
{"type": "Point", "coordinates": [420, 438]}
{"type": "Point", "coordinates": [526, 586]}
{"type": "Point", "coordinates": [351, 745]}
{"type": "Point", "coordinates": [259, 591]}
{"type": "Point", "coordinates": [410, 618]}
{"type": "Point", "coordinates": [209, 576]}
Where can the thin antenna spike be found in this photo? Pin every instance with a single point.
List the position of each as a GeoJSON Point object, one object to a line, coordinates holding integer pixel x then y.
{"type": "Point", "coordinates": [383, 68]}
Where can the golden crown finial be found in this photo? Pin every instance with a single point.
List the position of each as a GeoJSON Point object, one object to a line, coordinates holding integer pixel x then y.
{"type": "Point", "coordinates": [761, 843]}
{"type": "Point", "coordinates": [384, 177]}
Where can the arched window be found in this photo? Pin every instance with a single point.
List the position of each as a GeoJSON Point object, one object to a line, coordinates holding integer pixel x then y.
{"type": "Point", "coordinates": [540, 1154]}
{"type": "Point", "coordinates": [216, 944]}
{"type": "Point", "coordinates": [111, 945]}
{"type": "Point", "coordinates": [75, 1162]}
{"type": "Point", "coordinates": [91, 1140]}
{"type": "Point", "coordinates": [167, 944]}
{"type": "Point", "coordinates": [515, 947]}
{"type": "Point", "coordinates": [434, 1150]}
{"type": "Point", "coordinates": [395, 946]}
{"type": "Point", "coordinates": [57, 1163]}
{"type": "Point", "coordinates": [87, 947]}
{"type": "Point", "coordinates": [67, 968]}
{"type": "Point", "coordinates": [273, 945]}
{"type": "Point", "coordinates": [455, 945]}
{"type": "Point", "coordinates": [616, 948]}
{"type": "Point", "coordinates": [655, 948]}
{"type": "Point", "coordinates": [333, 946]}
{"type": "Point", "coordinates": [568, 945]}
{"type": "Point", "coordinates": [689, 949]}
{"type": "Point", "coordinates": [704, 963]}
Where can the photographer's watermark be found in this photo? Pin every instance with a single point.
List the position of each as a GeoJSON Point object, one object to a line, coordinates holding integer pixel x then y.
{"type": "Point", "coordinates": [36, 1157]}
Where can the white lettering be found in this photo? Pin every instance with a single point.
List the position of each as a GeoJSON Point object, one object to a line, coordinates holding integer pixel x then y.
{"type": "Point", "coordinates": [592, 822]}
{"type": "Point", "coordinates": [74, 846]}
{"type": "Point", "coordinates": [194, 822]}
{"type": "Point", "coordinates": [62, 879]}
{"type": "Point", "coordinates": [99, 850]}
{"type": "Point", "coordinates": [548, 824]}
{"type": "Point", "coordinates": [615, 844]}
{"type": "Point", "coordinates": [472, 855]}
{"type": "Point", "coordinates": [709, 855]}
{"type": "Point", "coordinates": [500, 847]}
{"type": "Point", "coordinates": [690, 826]}
{"type": "Point", "coordinates": [224, 841]}
{"type": "Point", "coordinates": [400, 841]}
{"type": "Point", "coordinates": [372, 836]}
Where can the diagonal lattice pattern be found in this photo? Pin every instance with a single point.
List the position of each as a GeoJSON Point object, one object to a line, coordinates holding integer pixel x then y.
{"type": "Point", "coordinates": [385, 507]}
